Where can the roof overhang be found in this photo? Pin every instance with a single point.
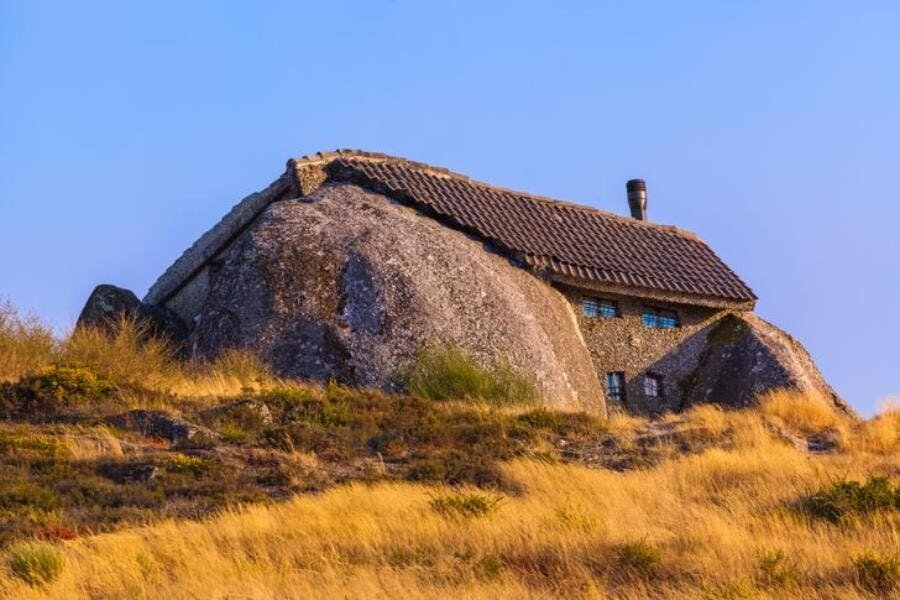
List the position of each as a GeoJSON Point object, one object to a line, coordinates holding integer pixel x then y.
{"type": "Point", "coordinates": [649, 294]}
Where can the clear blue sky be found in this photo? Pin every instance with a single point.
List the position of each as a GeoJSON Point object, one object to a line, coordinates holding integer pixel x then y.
{"type": "Point", "coordinates": [770, 128]}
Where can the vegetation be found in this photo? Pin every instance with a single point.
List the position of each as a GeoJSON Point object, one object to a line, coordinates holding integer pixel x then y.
{"type": "Point", "coordinates": [878, 573]}
{"type": "Point", "coordinates": [845, 499]}
{"type": "Point", "coordinates": [457, 490]}
{"type": "Point", "coordinates": [451, 374]}
{"type": "Point", "coordinates": [35, 563]}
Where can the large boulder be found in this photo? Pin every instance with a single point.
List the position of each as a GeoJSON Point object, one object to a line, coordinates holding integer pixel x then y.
{"type": "Point", "coordinates": [348, 285]}
{"type": "Point", "coordinates": [746, 356]}
{"type": "Point", "coordinates": [108, 304]}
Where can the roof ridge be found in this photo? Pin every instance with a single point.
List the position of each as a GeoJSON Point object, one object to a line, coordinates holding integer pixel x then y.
{"type": "Point", "coordinates": [328, 156]}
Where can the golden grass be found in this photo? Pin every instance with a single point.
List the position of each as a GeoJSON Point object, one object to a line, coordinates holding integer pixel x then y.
{"type": "Point", "coordinates": [800, 411]}
{"type": "Point", "coordinates": [146, 368]}
{"type": "Point", "coordinates": [707, 525]}
{"type": "Point", "coordinates": [26, 344]}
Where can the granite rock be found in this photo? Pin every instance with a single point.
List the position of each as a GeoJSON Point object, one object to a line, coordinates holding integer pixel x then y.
{"type": "Point", "coordinates": [348, 285]}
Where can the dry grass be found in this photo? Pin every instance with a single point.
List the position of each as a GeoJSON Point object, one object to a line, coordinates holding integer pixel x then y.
{"type": "Point", "coordinates": [711, 508]}
{"type": "Point", "coordinates": [26, 344]}
{"type": "Point", "coordinates": [801, 412]}
{"type": "Point", "coordinates": [722, 523]}
{"type": "Point", "coordinates": [146, 369]}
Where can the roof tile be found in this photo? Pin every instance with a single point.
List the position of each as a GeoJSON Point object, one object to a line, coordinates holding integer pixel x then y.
{"type": "Point", "coordinates": [564, 238]}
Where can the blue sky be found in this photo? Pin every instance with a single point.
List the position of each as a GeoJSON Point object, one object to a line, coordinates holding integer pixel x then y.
{"type": "Point", "coordinates": [770, 128]}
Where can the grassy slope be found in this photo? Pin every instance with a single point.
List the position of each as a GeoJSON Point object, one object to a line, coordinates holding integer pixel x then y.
{"type": "Point", "coordinates": [711, 524]}
{"type": "Point", "coordinates": [706, 504]}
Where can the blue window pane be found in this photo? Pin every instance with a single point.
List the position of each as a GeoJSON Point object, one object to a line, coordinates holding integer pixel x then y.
{"type": "Point", "coordinates": [608, 309]}
{"type": "Point", "coordinates": [659, 318]}
{"type": "Point", "coordinates": [594, 307]}
{"type": "Point", "coordinates": [615, 386]}
{"type": "Point", "coordinates": [667, 321]}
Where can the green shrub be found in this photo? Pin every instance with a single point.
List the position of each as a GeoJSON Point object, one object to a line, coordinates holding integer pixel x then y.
{"type": "Point", "coordinates": [452, 374]}
{"type": "Point", "coordinates": [29, 495]}
{"type": "Point", "coordinates": [638, 558]}
{"type": "Point", "coordinates": [20, 444]}
{"type": "Point", "coordinates": [775, 569]}
{"type": "Point", "coordinates": [184, 464]}
{"type": "Point", "coordinates": [489, 567]}
{"type": "Point", "coordinates": [845, 498]}
{"type": "Point", "coordinates": [35, 563]}
{"type": "Point", "coordinates": [60, 384]}
{"type": "Point", "coordinates": [465, 505]}
{"type": "Point", "coordinates": [57, 389]}
{"type": "Point", "coordinates": [876, 573]}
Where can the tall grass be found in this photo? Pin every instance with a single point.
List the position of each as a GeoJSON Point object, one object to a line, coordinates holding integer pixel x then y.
{"type": "Point", "coordinates": [26, 344]}
{"type": "Point", "coordinates": [127, 355]}
{"type": "Point", "coordinates": [802, 412]}
{"type": "Point", "coordinates": [447, 373]}
{"type": "Point", "coordinates": [721, 523]}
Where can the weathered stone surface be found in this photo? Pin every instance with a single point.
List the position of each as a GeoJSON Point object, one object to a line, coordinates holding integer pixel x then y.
{"type": "Point", "coordinates": [624, 345]}
{"type": "Point", "coordinates": [128, 472]}
{"type": "Point", "coordinates": [745, 356]}
{"type": "Point", "coordinates": [348, 285]}
{"type": "Point", "coordinates": [108, 303]}
{"type": "Point", "coordinates": [250, 411]}
{"type": "Point", "coordinates": [159, 425]}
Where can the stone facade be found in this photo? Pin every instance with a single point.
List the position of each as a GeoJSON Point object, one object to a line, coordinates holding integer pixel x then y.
{"type": "Point", "coordinates": [714, 355]}
{"type": "Point", "coordinates": [622, 344]}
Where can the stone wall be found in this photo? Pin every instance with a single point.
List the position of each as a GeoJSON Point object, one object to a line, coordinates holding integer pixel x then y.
{"type": "Point", "coordinates": [624, 344]}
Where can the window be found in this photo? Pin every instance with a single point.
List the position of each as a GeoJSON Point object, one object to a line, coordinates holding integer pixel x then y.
{"type": "Point", "coordinates": [597, 307]}
{"type": "Point", "coordinates": [659, 318]}
{"type": "Point", "coordinates": [615, 386]}
{"type": "Point", "coordinates": [653, 386]}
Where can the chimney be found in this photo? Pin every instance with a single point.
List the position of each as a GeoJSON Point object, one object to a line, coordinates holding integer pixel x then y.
{"type": "Point", "coordinates": [637, 198]}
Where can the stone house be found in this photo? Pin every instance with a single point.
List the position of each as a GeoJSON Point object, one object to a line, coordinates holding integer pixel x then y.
{"type": "Point", "coordinates": [351, 261]}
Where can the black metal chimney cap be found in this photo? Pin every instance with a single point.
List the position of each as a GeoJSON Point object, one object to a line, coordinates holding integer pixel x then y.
{"type": "Point", "coordinates": [636, 185]}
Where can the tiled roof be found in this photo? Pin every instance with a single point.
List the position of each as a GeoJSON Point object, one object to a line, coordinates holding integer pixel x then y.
{"type": "Point", "coordinates": [560, 239]}
{"type": "Point", "coordinates": [566, 242]}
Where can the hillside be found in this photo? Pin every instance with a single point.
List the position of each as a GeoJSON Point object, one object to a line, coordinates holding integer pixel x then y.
{"type": "Point", "coordinates": [130, 473]}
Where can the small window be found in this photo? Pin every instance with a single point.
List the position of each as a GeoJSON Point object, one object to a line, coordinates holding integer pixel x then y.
{"type": "Point", "coordinates": [659, 318]}
{"type": "Point", "coordinates": [597, 307]}
{"type": "Point", "coordinates": [652, 386]}
{"type": "Point", "coordinates": [615, 386]}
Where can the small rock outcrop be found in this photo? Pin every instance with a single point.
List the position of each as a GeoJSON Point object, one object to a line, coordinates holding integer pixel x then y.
{"type": "Point", "coordinates": [159, 425]}
{"type": "Point", "coordinates": [107, 304]}
{"type": "Point", "coordinates": [746, 355]}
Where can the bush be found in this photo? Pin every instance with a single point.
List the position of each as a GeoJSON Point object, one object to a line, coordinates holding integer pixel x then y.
{"type": "Point", "coordinates": [35, 563]}
{"type": "Point", "coordinates": [57, 388]}
{"type": "Point", "coordinates": [452, 374]}
{"type": "Point", "coordinates": [465, 505]}
{"type": "Point", "coordinates": [638, 558]}
{"type": "Point", "coordinates": [879, 574]}
{"type": "Point", "coordinates": [775, 569]}
{"type": "Point", "coordinates": [186, 465]}
{"type": "Point", "coordinates": [845, 498]}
